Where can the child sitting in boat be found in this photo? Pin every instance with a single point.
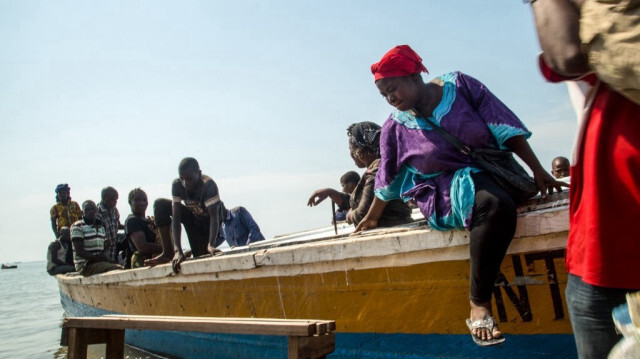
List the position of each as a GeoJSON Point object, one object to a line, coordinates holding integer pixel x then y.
{"type": "Point", "coordinates": [560, 167]}
{"type": "Point", "coordinates": [60, 254]}
{"type": "Point", "coordinates": [348, 182]}
{"type": "Point", "coordinates": [364, 145]}
{"type": "Point", "coordinates": [418, 163]}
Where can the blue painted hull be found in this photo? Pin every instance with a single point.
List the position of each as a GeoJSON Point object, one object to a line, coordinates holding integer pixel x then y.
{"type": "Point", "coordinates": [348, 345]}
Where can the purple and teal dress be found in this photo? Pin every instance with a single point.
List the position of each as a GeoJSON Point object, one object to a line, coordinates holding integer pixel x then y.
{"type": "Point", "coordinates": [417, 163]}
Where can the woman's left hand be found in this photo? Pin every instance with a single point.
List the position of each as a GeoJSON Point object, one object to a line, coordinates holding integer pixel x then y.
{"type": "Point", "coordinates": [546, 183]}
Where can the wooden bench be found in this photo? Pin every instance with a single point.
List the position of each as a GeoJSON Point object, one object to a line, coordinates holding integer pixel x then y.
{"type": "Point", "coordinates": [307, 338]}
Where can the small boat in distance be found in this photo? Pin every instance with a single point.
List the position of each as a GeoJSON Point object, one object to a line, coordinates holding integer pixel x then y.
{"type": "Point", "coordinates": [9, 266]}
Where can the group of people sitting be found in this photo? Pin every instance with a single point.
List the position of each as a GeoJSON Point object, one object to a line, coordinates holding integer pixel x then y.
{"type": "Point", "coordinates": [405, 160]}
{"type": "Point", "coordinates": [88, 241]}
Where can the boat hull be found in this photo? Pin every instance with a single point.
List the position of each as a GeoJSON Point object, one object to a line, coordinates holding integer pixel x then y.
{"type": "Point", "coordinates": [392, 294]}
{"type": "Point", "coordinates": [348, 345]}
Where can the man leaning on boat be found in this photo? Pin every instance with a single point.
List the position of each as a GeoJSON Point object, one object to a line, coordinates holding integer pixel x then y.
{"type": "Point", "coordinates": [197, 205]}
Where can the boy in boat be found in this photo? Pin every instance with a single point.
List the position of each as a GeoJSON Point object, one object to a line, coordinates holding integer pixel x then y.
{"type": "Point", "coordinates": [201, 214]}
{"type": "Point", "coordinates": [109, 216]}
{"type": "Point", "coordinates": [560, 167]}
{"type": "Point", "coordinates": [239, 228]}
{"type": "Point", "coordinates": [348, 182]}
{"type": "Point", "coordinates": [60, 254]}
{"type": "Point", "coordinates": [65, 212]}
{"type": "Point", "coordinates": [87, 236]}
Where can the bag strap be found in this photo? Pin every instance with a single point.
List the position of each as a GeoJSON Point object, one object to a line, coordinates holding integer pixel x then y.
{"type": "Point", "coordinates": [461, 146]}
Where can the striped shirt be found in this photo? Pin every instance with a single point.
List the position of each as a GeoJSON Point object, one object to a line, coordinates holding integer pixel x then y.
{"type": "Point", "coordinates": [111, 221]}
{"type": "Point", "coordinates": [208, 196]}
{"type": "Point", "coordinates": [92, 237]}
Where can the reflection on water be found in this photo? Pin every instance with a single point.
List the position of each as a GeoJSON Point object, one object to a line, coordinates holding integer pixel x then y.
{"type": "Point", "coordinates": [31, 316]}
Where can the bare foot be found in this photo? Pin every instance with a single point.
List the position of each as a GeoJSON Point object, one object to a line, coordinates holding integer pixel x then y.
{"type": "Point", "coordinates": [160, 259]}
{"type": "Point", "coordinates": [478, 312]}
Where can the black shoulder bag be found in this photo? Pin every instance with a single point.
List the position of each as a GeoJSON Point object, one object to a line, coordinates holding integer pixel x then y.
{"type": "Point", "coordinates": [501, 165]}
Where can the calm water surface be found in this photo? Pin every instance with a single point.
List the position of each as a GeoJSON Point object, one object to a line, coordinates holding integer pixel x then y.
{"type": "Point", "coordinates": [31, 314]}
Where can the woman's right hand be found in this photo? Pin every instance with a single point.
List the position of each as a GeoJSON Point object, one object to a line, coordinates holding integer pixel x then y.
{"type": "Point", "coordinates": [366, 224]}
{"type": "Point", "coordinates": [318, 196]}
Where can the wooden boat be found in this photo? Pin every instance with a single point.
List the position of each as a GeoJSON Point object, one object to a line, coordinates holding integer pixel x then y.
{"type": "Point", "coordinates": [9, 266]}
{"type": "Point", "coordinates": [396, 292]}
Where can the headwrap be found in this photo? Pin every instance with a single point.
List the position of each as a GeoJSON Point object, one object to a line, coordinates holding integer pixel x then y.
{"type": "Point", "coordinates": [397, 62]}
{"type": "Point", "coordinates": [62, 186]}
{"type": "Point", "coordinates": [365, 135]}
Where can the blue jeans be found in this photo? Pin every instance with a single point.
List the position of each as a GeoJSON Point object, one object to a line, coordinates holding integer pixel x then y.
{"type": "Point", "coordinates": [590, 309]}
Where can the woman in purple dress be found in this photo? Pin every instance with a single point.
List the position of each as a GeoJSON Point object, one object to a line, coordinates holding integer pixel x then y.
{"type": "Point", "coordinates": [418, 164]}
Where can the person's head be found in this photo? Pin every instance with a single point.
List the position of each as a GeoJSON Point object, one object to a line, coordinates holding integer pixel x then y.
{"type": "Point", "coordinates": [349, 181]}
{"type": "Point", "coordinates": [364, 143]}
{"type": "Point", "coordinates": [89, 209]}
{"type": "Point", "coordinates": [65, 234]}
{"type": "Point", "coordinates": [63, 193]}
{"type": "Point", "coordinates": [109, 197]}
{"type": "Point", "coordinates": [560, 167]}
{"type": "Point", "coordinates": [397, 77]}
{"type": "Point", "coordinates": [138, 202]}
{"type": "Point", "coordinates": [190, 174]}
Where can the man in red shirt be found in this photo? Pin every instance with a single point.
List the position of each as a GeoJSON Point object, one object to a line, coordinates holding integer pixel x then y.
{"type": "Point", "coordinates": [605, 185]}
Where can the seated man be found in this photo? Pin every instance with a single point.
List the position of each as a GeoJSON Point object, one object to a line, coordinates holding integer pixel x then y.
{"type": "Point", "coordinates": [239, 228]}
{"type": "Point", "coordinates": [201, 214]}
{"type": "Point", "coordinates": [60, 254]}
{"type": "Point", "coordinates": [109, 216]}
{"type": "Point", "coordinates": [348, 181]}
{"type": "Point", "coordinates": [560, 167]}
{"type": "Point", "coordinates": [87, 236]}
{"type": "Point", "coordinates": [65, 212]}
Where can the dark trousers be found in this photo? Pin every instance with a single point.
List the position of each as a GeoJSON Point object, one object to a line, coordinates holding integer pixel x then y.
{"type": "Point", "coordinates": [493, 224]}
{"type": "Point", "coordinates": [590, 309]}
{"type": "Point", "coordinates": [196, 228]}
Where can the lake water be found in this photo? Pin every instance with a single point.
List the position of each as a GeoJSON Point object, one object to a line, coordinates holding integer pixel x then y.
{"type": "Point", "coordinates": [31, 315]}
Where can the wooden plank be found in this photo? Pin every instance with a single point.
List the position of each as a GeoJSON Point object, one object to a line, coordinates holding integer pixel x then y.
{"type": "Point", "coordinates": [169, 317]}
{"type": "Point", "coordinates": [115, 344]}
{"type": "Point", "coordinates": [195, 325]}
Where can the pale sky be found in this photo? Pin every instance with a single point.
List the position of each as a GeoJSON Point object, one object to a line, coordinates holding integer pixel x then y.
{"type": "Point", "coordinates": [98, 93]}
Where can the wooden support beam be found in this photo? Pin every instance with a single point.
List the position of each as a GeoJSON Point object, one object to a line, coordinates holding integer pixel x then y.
{"type": "Point", "coordinates": [77, 344]}
{"type": "Point", "coordinates": [312, 347]}
{"type": "Point", "coordinates": [115, 344]}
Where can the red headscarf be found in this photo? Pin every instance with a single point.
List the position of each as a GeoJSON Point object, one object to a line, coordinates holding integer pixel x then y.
{"type": "Point", "coordinates": [399, 61]}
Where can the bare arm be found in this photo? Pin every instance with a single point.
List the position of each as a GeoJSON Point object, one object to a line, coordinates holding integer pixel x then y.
{"type": "Point", "coordinates": [140, 241]}
{"type": "Point", "coordinates": [214, 227]}
{"type": "Point", "coordinates": [320, 195]}
{"type": "Point", "coordinates": [54, 226]}
{"type": "Point", "coordinates": [543, 179]}
{"type": "Point", "coordinates": [370, 221]}
{"type": "Point", "coordinates": [176, 231]}
{"type": "Point", "coordinates": [558, 27]}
